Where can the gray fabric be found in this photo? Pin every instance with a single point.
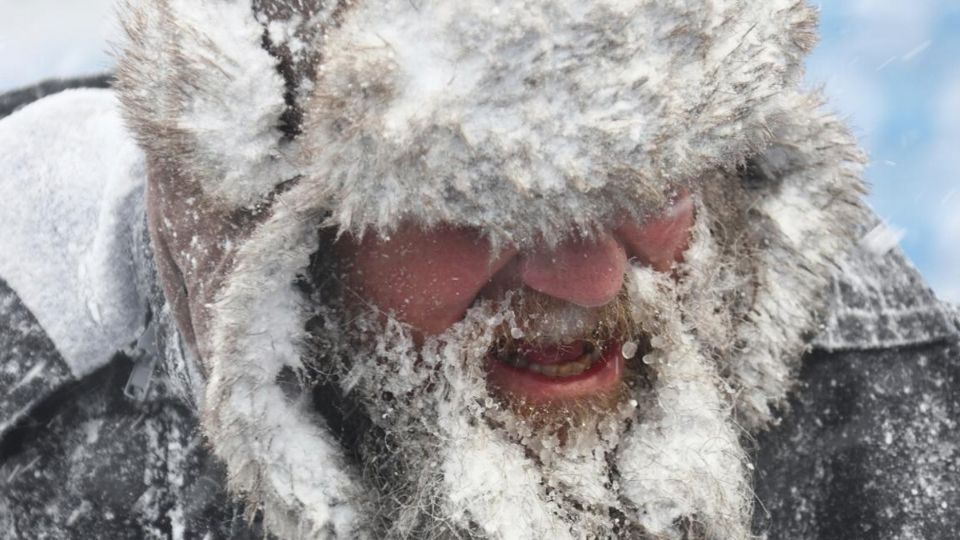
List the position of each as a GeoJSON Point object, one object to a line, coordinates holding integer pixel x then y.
{"type": "Point", "coordinates": [868, 448]}
{"type": "Point", "coordinates": [30, 367]}
{"type": "Point", "coordinates": [868, 445]}
{"type": "Point", "coordinates": [91, 463]}
{"type": "Point", "coordinates": [881, 301]}
{"type": "Point", "coordinates": [79, 459]}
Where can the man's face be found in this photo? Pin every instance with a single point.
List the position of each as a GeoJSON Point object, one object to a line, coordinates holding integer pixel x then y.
{"type": "Point", "coordinates": [579, 381]}
{"type": "Point", "coordinates": [567, 348]}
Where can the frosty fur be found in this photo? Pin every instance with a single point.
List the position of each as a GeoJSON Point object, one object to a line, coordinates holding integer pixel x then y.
{"type": "Point", "coordinates": [523, 119]}
{"type": "Point", "coordinates": [479, 113]}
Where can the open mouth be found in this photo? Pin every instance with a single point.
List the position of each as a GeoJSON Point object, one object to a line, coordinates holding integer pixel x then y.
{"type": "Point", "coordinates": [539, 373]}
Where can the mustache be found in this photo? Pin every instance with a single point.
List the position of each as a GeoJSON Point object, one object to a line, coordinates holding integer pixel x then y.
{"type": "Point", "coordinates": [539, 319]}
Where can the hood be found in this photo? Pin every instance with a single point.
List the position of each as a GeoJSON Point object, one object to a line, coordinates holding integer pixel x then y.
{"type": "Point", "coordinates": [266, 121]}
{"type": "Point", "coordinates": [520, 119]}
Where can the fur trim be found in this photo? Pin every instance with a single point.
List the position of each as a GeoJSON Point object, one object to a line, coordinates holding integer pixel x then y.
{"type": "Point", "coordinates": [199, 90]}
{"type": "Point", "coordinates": [571, 113]}
{"type": "Point", "coordinates": [276, 455]}
{"type": "Point", "coordinates": [806, 225]}
{"type": "Point", "coordinates": [524, 119]}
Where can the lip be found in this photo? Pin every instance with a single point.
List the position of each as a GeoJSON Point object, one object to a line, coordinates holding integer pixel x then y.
{"type": "Point", "coordinates": [601, 378]}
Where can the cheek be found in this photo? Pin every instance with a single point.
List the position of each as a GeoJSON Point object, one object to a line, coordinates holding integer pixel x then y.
{"type": "Point", "coordinates": [660, 241]}
{"type": "Point", "coordinates": [426, 279]}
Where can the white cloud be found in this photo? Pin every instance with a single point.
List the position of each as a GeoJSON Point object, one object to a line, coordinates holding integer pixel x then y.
{"type": "Point", "coordinates": [54, 38]}
{"type": "Point", "coordinates": [889, 28]}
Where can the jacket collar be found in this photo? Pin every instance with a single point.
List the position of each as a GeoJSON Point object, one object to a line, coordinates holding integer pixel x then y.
{"type": "Point", "coordinates": [878, 300]}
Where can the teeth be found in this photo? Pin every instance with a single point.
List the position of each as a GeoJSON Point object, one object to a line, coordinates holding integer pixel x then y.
{"type": "Point", "coordinates": [591, 355]}
{"type": "Point", "coordinates": [566, 369]}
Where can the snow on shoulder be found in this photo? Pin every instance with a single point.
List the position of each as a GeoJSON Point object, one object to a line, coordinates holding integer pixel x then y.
{"type": "Point", "coordinates": [71, 191]}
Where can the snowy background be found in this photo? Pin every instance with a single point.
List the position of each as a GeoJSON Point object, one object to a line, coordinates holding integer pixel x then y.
{"type": "Point", "coordinates": [891, 67]}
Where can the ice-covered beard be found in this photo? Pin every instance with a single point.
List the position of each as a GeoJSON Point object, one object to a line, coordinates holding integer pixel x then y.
{"type": "Point", "coordinates": [446, 456]}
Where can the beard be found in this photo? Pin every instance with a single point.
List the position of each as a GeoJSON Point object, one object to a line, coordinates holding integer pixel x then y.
{"type": "Point", "coordinates": [443, 454]}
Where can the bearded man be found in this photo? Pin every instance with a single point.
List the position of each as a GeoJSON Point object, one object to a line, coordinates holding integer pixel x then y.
{"type": "Point", "coordinates": [428, 269]}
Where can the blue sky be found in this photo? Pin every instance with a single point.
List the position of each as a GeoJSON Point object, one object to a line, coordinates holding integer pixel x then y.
{"type": "Point", "coordinates": [890, 67]}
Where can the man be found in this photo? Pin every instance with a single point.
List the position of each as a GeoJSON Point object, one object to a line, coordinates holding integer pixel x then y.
{"type": "Point", "coordinates": [461, 269]}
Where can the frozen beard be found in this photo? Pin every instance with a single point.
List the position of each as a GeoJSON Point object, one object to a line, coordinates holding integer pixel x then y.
{"type": "Point", "coordinates": [444, 452]}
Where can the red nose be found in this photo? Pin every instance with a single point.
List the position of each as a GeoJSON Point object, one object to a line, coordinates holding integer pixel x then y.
{"type": "Point", "coordinates": [588, 273]}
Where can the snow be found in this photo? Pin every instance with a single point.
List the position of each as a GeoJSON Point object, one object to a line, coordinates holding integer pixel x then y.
{"type": "Point", "coordinates": [69, 222]}
{"type": "Point", "coordinates": [916, 51]}
{"type": "Point", "coordinates": [233, 110]}
{"type": "Point", "coordinates": [882, 238]}
{"type": "Point", "coordinates": [685, 460]}
{"type": "Point", "coordinates": [32, 374]}
{"type": "Point", "coordinates": [878, 302]}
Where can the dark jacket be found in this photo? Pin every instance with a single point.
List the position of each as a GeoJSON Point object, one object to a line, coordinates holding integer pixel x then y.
{"type": "Point", "coordinates": [868, 447]}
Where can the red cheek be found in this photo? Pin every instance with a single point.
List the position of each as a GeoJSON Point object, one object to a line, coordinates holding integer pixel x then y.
{"type": "Point", "coordinates": [660, 241]}
{"type": "Point", "coordinates": [427, 279]}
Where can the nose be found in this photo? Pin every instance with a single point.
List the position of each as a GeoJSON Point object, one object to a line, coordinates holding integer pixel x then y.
{"type": "Point", "coordinates": [586, 272]}
{"type": "Point", "coordinates": [590, 272]}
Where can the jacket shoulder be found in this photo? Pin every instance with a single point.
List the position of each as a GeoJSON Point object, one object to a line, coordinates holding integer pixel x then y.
{"type": "Point", "coordinates": [868, 444]}
{"type": "Point", "coordinates": [868, 447]}
{"type": "Point", "coordinates": [71, 207]}
{"type": "Point", "coordinates": [880, 301]}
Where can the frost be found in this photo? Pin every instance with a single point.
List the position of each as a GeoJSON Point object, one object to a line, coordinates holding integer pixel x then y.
{"type": "Point", "coordinates": [30, 375]}
{"type": "Point", "coordinates": [79, 512]}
